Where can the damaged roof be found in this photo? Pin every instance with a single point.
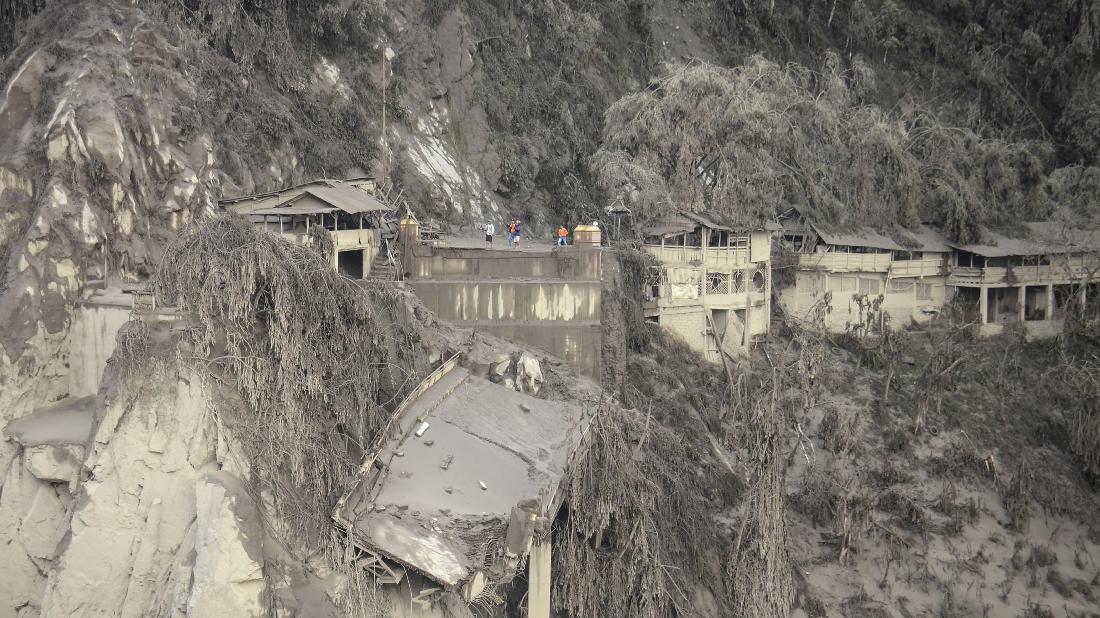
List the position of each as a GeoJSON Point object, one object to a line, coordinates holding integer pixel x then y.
{"type": "Point", "coordinates": [350, 196]}
{"type": "Point", "coordinates": [682, 222]}
{"type": "Point", "coordinates": [435, 500]}
{"type": "Point", "coordinates": [1035, 238]}
{"type": "Point", "coordinates": [920, 238]}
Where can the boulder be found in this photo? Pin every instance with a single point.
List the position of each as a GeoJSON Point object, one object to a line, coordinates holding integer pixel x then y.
{"type": "Point", "coordinates": [55, 463]}
{"type": "Point", "coordinates": [529, 374]}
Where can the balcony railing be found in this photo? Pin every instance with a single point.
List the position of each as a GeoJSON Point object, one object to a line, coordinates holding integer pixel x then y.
{"type": "Point", "coordinates": [1020, 275]}
{"type": "Point", "coordinates": [717, 256]}
{"type": "Point", "coordinates": [846, 262]}
{"type": "Point", "coordinates": [924, 267]}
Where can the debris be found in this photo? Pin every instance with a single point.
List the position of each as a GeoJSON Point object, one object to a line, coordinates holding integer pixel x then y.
{"type": "Point", "coordinates": [400, 453]}
{"type": "Point", "coordinates": [423, 427]}
{"type": "Point", "coordinates": [380, 508]}
{"type": "Point", "coordinates": [449, 489]}
{"type": "Point", "coordinates": [483, 485]}
{"type": "Point", "coordinates": [446, 463]}
{"type": "Point", "coordinates": [429, 442]}
{"type": "Point", "coordinates": [524, 407]}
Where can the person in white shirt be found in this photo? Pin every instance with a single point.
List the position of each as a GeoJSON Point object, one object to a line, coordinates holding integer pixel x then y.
{"type": "Point", "coordinates": [489, 230]}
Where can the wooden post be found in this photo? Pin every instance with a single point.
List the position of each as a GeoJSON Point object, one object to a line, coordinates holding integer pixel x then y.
{"type": "Point", "coordinates": [983, 304]}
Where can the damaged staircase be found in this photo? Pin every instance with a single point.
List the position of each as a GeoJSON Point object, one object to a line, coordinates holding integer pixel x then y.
{"type": "Point", "coordinates": [384, 266]}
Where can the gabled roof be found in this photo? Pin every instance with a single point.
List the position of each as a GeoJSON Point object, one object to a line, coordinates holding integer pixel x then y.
{"type": "Point", "coordinates": [348, 196]}
{"type": "Point", "coordinates": [1036, 238]}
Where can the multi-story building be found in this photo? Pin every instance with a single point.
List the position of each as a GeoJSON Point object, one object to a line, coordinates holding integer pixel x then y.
{"type": "Point", "coordinates": [348, 209]}
{"type": "Point", "coordinates": [853, 267]}
{"type": "Point", "coordinates": [1031, 281]}
{"type": "Point", "coordinates": [713, 283]}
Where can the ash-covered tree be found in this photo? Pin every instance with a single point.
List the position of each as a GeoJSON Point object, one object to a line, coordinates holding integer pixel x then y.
{"type": "Point", "coordinates": [754, 140]}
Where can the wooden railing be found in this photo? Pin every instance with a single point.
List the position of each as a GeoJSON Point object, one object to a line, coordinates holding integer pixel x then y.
{"type": "Point", "coordinates": [846, 262]}
{"type": "Point", "coordinates": [924, 267]}
{"type": "Point", "coordinates": [1019, 275]}
{"type": "Point", "coordinates": [717, 256]}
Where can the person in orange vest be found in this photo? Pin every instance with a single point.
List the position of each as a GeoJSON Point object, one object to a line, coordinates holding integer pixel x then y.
{"type": "Point", "coordinates": [563, 236]}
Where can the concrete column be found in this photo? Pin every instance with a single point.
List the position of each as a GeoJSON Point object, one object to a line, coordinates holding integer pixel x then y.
{"type": "Point", "coordinates": [538, 586]}
{"type": "Point", "coordinates": [1050, 302]}
{"type": "Point", "coordinates": [1021, 302]}
{"type": "Point", "coordinates": [983, 304]}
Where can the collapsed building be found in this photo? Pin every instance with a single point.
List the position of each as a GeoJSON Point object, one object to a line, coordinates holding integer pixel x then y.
{"type": "Point", "coordinates": [349, 210]}
{"type": "Point", "coordinates": [461, 487]}
{"type": "Point", "coordinates": [712, 285]}
{"type": "Point", "coordinates": [1030, 279]}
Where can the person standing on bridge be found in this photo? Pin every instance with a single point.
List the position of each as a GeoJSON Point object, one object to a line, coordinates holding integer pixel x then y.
{"type": "Point", "coordinates": [563, 236]}
{"type": "Point", "coordinates": [516, 235]}
{"type": "Point", "coordinates": [490, 229]}
{"type": "Point", "coordinates": [512, 232]}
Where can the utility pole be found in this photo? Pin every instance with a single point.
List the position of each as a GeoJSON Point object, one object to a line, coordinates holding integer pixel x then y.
{"type": "Point", "coordinates": [384, 149]}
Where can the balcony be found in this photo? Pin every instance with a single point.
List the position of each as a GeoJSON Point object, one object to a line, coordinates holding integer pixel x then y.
{"type": "Point", "coordinates": [716, 256]}
{"type": "Point", "coordinates": [1019, 275]}
{"type": "Point", "coordinates": [846, 262]}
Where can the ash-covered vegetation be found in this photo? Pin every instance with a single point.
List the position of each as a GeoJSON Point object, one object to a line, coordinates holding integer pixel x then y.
{"type": "Point", "coordinates": [755, 140]}
{"type": "Point", "coordinates": [316, 362]}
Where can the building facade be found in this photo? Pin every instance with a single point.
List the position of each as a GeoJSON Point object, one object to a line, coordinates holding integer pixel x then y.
{"type": "Point", "coordinates": [712, 285]}
{"type": "Point", "coordinates": [1031, 283]}
{"type": "Point", "coordinates": [348, 209]}
{"type": "Point", "coordinates": [850, 271]}
{"type": "Point", "coordinates": [913, 275]}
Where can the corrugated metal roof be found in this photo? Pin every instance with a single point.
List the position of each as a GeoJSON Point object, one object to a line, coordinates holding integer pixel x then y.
{"type": "Point", "coordinates": [1039, 238]}
{"type": "Point", "coordinates": [923, 238]}
{"type": "Point", "coordinates": [344, 195]}
{"type": "Point", "coordinates": [348, 199]}
{"type": "Point", "coordinates": [669, 225]}
{"type": "Point", "coordinates": [292, 210]}
{"type": "Point", "coordinates": [859, 238]}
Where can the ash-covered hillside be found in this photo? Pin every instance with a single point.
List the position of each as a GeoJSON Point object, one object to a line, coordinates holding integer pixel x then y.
{"type": "Point", "coordinates": [122, 124]}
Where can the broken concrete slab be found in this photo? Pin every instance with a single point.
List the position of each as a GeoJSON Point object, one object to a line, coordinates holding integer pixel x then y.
{"type": "Point", "coordinates": [68, 421]}
{"type": "Point", "coordinates": [502, 456]}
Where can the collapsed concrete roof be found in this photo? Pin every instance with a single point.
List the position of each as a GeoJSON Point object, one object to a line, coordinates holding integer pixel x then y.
{"type": "Point", "coordinates": [460, 455]}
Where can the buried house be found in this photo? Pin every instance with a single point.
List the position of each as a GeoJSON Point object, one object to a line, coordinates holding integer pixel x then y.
{"type": "Point", "coordinates": [712, 285]}
{"type": "Point", "coordinates": [461, 488]}
{"type": "Point", "coordinates": [348, 209]}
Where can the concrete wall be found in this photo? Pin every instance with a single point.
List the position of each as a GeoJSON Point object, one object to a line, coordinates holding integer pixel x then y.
{"type": "Point", "coordinates": [92, 342]}
{"type": "Point", "coordinates": [548, 299]}
{"type": "Point", "coordinates": [572, 262]}
{"type": "Point", "coordinates": [511, 300]}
